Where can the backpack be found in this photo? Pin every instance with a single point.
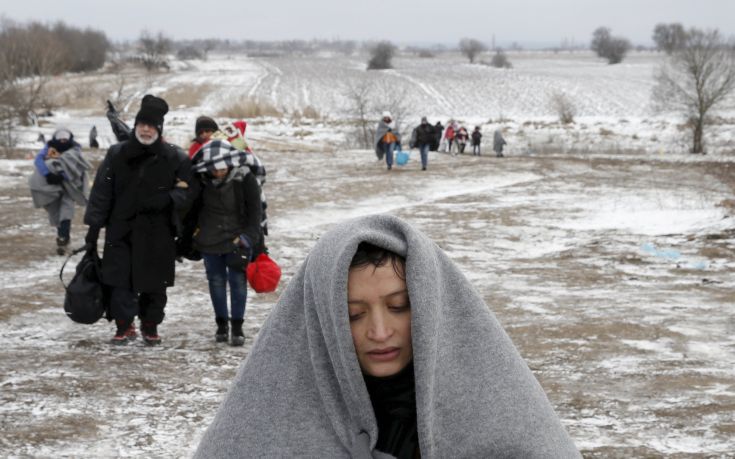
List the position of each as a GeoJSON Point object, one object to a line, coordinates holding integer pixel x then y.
{"type": "Point", "coordinates": [86, 298]}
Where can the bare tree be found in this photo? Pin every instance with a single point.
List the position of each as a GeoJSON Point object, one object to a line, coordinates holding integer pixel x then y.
{"type": "Point", "coordinates": [366, 104]}
{"type": "Point", "coordinates": [381, 56]}
{"type": "Point", "coordinates": [563, 106]}
{"type": "Point", "coordinates": [360, 97]}
{"type": "Point", "coordinates": [29, 56]}
{"type": "Point", "coordinates": [395, 104]}
{"type": "Point", "coordinates": [608, 47]}
{"type": "Point", "coordinates": [471, 48]}
{"type": "Point", "coordinates": [669, 37]}
{"type": "Point", "coordinates": [207, 46]}
{"type": "Point", "coordinates": [696, 78]}
{"type": "Point", "coordinates": [154, 50]}
{"type": "Point", "coordinates": [500, 60]}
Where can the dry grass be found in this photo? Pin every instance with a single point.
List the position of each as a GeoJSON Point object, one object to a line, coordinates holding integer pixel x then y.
{"type": "Point", "coordinates": [249, 108]}
{"type": "Point", "coordinates": [186, 95]}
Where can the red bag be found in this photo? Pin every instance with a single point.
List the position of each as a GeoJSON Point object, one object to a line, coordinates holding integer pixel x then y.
{"type": "Point", "coordinates": [263, 274]}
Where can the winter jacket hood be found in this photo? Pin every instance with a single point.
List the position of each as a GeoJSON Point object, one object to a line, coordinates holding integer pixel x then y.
{"type": "Point", "coordinates": [301, 391]}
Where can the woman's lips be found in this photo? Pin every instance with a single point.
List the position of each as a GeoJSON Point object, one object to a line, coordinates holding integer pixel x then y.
{"type": "Point", "coordinates": [384, 355]}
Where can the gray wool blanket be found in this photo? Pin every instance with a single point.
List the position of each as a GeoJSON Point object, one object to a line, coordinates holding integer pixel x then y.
{"type": "Point", "coordinates": [301, 393]}
{"type": "Point", "coordinates": [76, 186]}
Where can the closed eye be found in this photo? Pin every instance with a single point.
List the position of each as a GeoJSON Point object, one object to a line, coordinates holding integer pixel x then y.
{"type": "Point", "coordinates": [400, 308]}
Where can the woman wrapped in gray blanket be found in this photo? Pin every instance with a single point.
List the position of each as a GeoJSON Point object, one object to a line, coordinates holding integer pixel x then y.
{"type": "Point", "coordinates": [60, 181]}
{"type": "Point", "coordinates": [379, 347]}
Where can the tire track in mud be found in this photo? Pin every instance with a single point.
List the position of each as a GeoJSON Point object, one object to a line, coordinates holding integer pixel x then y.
{"type": "Point", "coordinates": [269, 70]}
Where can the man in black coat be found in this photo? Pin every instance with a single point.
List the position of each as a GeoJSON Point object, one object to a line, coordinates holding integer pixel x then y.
{"type": "Point", "coordinates": [424, 138]}
{"type": "Point", "coordinates": [140, 185]}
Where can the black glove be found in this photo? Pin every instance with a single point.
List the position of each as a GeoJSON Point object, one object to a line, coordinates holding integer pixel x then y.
{"type": "Point", "coordinates": [90, 240]}
{"type": "Point", "coordinates": [53, 178]}
{"type": "Point", "coordinates": [155, 203]}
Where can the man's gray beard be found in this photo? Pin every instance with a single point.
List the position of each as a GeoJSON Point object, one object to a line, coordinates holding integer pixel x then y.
{"type": "Point", "coordinates": [146, 142]}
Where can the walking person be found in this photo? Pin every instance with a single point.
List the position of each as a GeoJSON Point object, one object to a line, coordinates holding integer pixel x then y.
{"type": "Point", "coordinates": [438, 132]}
{"type": "Point", "coordinates": [461, 137]}
{"type": "Point", "coordinates": [387, 138]}
{"type": "Point", "coordinates": [379, 347]}
{"type": "Point", "coordinates": [423, 137]}
{"type": "Point", "coordinates": [59, 182]}
{"type": "Point", "coordinates": [498, 142]}
{"type": "Point", "coordinates": [224, 225]}
{"type": "Point", "coordinates": [93, 144]}
{"type": "Point", "coordinates": [476, 141]}
{"type": "Point", "coordinates": [139, 186]}
{"type": "Point", "coordinates": [449, 134]}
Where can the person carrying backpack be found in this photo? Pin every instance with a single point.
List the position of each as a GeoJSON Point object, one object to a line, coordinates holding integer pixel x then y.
{"type": "Point", "coordinates": [224, 226]}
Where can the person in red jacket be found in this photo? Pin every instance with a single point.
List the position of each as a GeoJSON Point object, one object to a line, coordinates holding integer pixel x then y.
{"type": "Point", "coordinates": [204, 128]}
{"type": "Point", "coordinates": [449, 135]}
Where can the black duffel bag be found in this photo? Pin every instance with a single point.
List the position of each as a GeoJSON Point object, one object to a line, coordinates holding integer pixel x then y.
{"type": "Point", "coordinates": [85, 299]}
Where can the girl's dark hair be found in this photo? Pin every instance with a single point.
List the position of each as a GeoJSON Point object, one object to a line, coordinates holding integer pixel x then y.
{"type": "Point", "coordinates": [368, 254]}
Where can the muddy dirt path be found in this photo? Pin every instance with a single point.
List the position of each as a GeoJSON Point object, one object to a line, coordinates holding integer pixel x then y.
{"type": "Point", "coordinates": [636, 350]}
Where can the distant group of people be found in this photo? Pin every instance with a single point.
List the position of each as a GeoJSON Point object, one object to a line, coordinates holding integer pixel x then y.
{"type": "Point", "coordinates": [427, 137]}
{"type": "Point", "coordinates": [157, 203]}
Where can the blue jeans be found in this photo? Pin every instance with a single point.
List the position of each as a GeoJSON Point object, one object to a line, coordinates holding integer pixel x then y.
{"type": "Point", "coordinates": [218, 275]}
{"type": "Point", "coordinates": [424, 150]}
{"type": "Point", "coordinates": [388, 149]}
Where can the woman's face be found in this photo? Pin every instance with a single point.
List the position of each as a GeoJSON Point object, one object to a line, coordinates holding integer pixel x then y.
{"type": "Point", "coordinates": [380, 319]}
{"type": "Point", "coordinates": [220, 173]}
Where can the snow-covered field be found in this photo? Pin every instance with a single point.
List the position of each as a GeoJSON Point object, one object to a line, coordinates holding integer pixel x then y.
{"type": "Point", "coordinates": [613, 271]}
{"type": "Point", "coordinates": [613, 103]}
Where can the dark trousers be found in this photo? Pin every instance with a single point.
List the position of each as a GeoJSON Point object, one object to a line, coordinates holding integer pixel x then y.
{"type": "Point", "coordinates": [64, 229]}
{"type": "Point", "coordinates": [125, 304]}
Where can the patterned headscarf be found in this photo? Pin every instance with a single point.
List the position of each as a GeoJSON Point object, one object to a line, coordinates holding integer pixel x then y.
{"type": "Point", "coordinates": [220, 154]}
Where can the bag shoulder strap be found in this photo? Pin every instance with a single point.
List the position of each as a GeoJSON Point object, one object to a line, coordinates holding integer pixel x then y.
{"type": "Point", "coordinates": [61, 272]}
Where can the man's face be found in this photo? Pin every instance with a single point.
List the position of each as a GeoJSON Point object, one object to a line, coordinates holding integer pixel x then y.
{"type": "Point", "coordinates": [146, 133]}
{"type": "Point", "coordinates": [387, 120]}
{"type": "Point", "coordinates": [206, 134]}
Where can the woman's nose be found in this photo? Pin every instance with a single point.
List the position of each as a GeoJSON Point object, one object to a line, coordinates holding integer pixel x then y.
{"type": "Point", "coordinates": [380, 328]}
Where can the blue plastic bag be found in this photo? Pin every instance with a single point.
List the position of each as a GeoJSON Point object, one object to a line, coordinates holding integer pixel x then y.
{"type": "Point", "coordinates": [402, 157]}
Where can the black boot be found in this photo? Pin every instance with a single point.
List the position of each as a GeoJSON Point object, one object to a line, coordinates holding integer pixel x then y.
{"type": "Point", "coordinates": [222, 330]}
{"type": "Point", "coordinates": [238, 338]}
{"type": "Point", "coordinates": [61, 245]}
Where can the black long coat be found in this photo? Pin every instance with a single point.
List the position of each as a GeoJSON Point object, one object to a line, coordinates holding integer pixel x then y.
{"type": "Point", "coordinates": [135, 197]}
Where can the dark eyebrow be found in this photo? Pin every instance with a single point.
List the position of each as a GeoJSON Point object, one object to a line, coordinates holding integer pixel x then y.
{"type": "Point", "coordinates": [397, 292]}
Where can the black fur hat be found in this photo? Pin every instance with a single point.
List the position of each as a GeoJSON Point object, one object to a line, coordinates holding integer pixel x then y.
{"type": "Point", "coordinates": [152, 110]}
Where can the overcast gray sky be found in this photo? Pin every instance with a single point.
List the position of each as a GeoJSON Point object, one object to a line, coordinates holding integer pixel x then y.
{"type": "Point", "coordinates": [528, 22]}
